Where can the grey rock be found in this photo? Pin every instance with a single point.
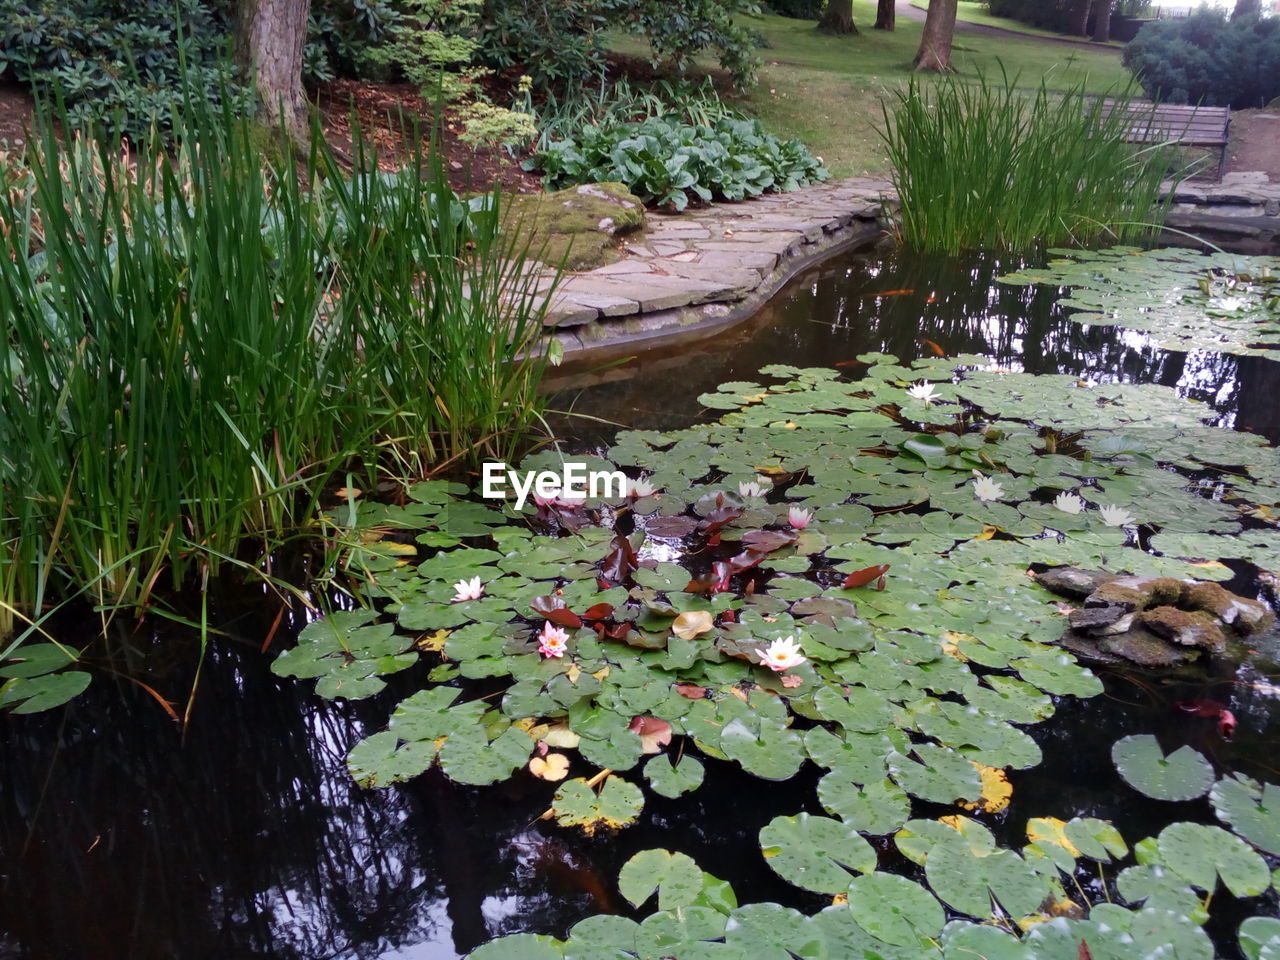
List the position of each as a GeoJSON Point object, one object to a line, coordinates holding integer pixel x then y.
{"type": "Point", "coordinates": [1072, 582]}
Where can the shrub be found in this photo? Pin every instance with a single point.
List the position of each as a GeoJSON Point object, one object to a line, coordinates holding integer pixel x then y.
{"type": "Point", "coordinates": [340, 34]}
{"type": "Point", "coordinates": [983, 165]}
{"type": "Point", "coordinates": [798, 9]}
{"type": "Point", "coordinates": [668, 163]}
{"type": "Point", "coordinates": [116, 60]}
{"type": "Point", "coordinates": [1207, 58]}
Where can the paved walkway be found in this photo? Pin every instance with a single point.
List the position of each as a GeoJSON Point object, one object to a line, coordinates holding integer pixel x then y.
{"type": "Point", "coordinates": [708, 266]}
{"type": "Point", "coordinates": [907, 10]}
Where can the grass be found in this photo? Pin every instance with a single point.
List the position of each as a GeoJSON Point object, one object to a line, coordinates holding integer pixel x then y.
{"type": "Point", "coordinates": [197, 343]}
{"type": "Point", "coordinates": [987, 166]}
{"type": "Point", "coordinates": [828, 90]}
{"type": "Point", "coordinates": [974, 11]}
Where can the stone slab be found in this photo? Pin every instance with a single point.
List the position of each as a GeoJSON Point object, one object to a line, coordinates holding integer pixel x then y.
{"type": "Point", "coordinates": [608, 305]}
{"type": "Point", "coordinates": [739, 278]}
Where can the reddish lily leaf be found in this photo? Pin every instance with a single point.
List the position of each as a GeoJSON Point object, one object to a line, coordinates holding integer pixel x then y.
{"type": "Point", "coordinates": [618, 631]}
{"type": "Point", "coordinates": [621, 561]}
{"type": "Point", "coordinates": [729, 616]}
{"type": "Point", "coordinates": [767, 541]}
{"type": "Point", "coordinates": [553, 608]}
{"type": "Point", "coordinates": [718, 517]}
{"type": "Point", "coordinates": [860, 578]}
{"type": "Point", "coordinates": [1084, 953]}
{"type": "Point", "coordinates": [691, 691]}
{"type": "Point", "coordinates": [598, 611]}
{"type": "Point", "coordinates": [654, 733]}
{"type": "Point", "coordinates": [671, 526]}
{"type": "Point", "coordinates": [697, 586]}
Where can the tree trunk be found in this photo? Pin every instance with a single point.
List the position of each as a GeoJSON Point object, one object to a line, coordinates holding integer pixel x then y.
{"type": "Point", "coordinates": [269, 38]}
{"type": "Point", "coordinates": [1245, 7]}
{"type": "Point", "coordinates": [1102, 20]}
{"type": "Point", "coordinates": [838, 18]}
{"type": "Point", "coordinates": [935, 44]}
{"type": "Point", "coordinates": [885, 15]}
{"type": "Point", "coordinates": [1080, 18]}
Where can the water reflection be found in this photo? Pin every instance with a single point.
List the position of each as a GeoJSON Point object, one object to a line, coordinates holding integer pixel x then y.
{"type": "Point", "coordinates": [910, 305]}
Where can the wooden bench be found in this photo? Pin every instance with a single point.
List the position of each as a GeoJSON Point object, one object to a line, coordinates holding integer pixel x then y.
{"type": "Point", "coordinates": [1171, 123]}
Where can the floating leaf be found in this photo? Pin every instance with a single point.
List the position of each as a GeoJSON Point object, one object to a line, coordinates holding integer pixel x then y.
{"type": "Point", "coordinates": [968, 881]}
{"type": "Point", "coordinates": [576, 804]}
{"type": "Point", "coordinates": [1183, 775]}
{"type": "Point", "coordinates": [1095, 838]}
{"type": "Point", "coordinates": [688, 625]}
{"type": "Point", "coordinates": [879, 807]}
{"type": "Point", "coordinates": [815, 853]}
{"type": "Point", "coordinates": [894, 909]}
{"type": "Point", "coordinates": [671, 780]}
{"type": "Point", "coordinates": [1260, 938]}
{"type": "Point", "coordinates": [33, 694]}
{"type": "Point", "coordinates": [996, 790]}
{"type": "Point", "coordinates": [519, 946]}
{"type": "Point", "coordinates": [674, 876]}
{"type": "Point", "coordinates": [1197, 853]}
{"type": "Point", "coordinates": [1251, 809]}
{"type": "Point", "coordinates": [553, 767]}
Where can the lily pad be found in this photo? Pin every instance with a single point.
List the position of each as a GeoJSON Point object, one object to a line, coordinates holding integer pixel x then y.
{"type": "Point", "coordinates": [674, 876]}
{"type": "Point", "coordinates": [617, 804]}
{"type": "Point", "coordinates": [1251, 809]}
{"type": "Point", "coordinates": [895, 909]}
{"type": "Point", "coordinates": [1182, 775]}
{"type": "Point", "coordinates": [815, 853]}
{"type": "Point", "coordinates": [1198, 853]}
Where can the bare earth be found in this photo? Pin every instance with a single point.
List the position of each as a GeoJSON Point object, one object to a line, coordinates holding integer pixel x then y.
{"type": "Point", "coordinates": [1255, 142]}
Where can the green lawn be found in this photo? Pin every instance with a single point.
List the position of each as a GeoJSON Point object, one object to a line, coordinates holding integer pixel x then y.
{"type": "Point", "coordinates": [827, 90]}
{"type": "Point", "coordinates": [975, 11]}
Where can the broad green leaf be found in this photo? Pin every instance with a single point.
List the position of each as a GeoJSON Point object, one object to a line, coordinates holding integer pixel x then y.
{"type": "Point", "coordinates": [1198, 853]}
{"type": "Point", "coordinates": [815, 853]}
{"type": "Point", "coordinates": [674, 876]}
{"type": "Point", "coordinates": [894, 909]}
{"type": "Point", "coordinates": [1183, 775]}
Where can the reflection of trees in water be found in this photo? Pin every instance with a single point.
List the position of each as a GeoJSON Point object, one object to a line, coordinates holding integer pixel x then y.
{"type": "Point", "coordinates": [120, 837]}
{"type": "Point", "coordinates": [893, 305]}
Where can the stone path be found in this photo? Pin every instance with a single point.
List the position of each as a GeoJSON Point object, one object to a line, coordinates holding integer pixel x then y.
{"type": "Point", "coordinates": [709, 266]}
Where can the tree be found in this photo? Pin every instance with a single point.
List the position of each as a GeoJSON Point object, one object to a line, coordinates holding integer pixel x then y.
{"type": "Point", "coordinates": [1245, 7]}
{"type": "Point", "coordinates": [935, 44]}
{"type": "Point", "coordinates": [838, 18]}
{"type": "Point", "coordinates": [1102, 20]}
{"type": "Point", "coordinates": [1079, 26]}
{"type": "Point", "coordinates": [885, 14]}
{"type": "Point", "coordinates": [269, 37]}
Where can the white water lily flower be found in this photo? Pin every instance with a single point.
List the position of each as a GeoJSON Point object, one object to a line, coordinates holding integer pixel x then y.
{"type": "Point", "coordinates": [923, 392]}
{"type": "Point", "coordinates": [1114, 516]}
{"type": "Point", "coordinates": [467, 590]}
{"type": "Point", "coordinates": [782, 654]}
{"type": "Point", "coordinates": [1069, 503]}
{"type": "Point", "coordinates": [984, 488]}
{"type": "Point", "coordinates": [799, 517]}
{"type": "Point", "coordinates": [640, 488]}
{"type": "Point", "coordinates": [750, 488]}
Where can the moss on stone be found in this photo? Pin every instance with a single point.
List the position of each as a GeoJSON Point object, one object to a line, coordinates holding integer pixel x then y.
{"type": "Point", "coordinates": [581, 227]}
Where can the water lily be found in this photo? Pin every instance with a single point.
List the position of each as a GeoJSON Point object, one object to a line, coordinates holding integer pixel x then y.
{"type": "Point", "coordinates": [1069, 503]}
{"type": "Point", "coordinates": [553, 641]}
{"type": "Point", "coordinates": [923, 392]}
{"type": "Point", "coordinates": [799, 517]}
{"type": "Point", "coordinates": [1114, 516]}
{"type": "Point", "coordinates": [640, 487]}
{"type": "Point", "coordinates": [782, 654]}
{"type": "Point", "coordinates": [984, 488]}
{"type": "Point", "coordinates": [467, 590]}
{"type": "Point", "coordinates": [749, 488]}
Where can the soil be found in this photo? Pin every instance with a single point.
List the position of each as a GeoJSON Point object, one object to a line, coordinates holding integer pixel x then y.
{"type": "Point", "coordinates": [385, 113]}
{"type": "Point", "coordinates": [1254, 142]}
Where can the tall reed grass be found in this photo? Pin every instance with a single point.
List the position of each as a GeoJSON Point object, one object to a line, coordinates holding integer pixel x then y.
{"type": "Point", "coordinates": [989, 165]}
{"type": "Point", "coordinates": [194, 343]}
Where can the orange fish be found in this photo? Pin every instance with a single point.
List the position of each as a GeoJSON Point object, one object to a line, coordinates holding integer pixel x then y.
{"type": "Point", "coordinates": [891, 293]}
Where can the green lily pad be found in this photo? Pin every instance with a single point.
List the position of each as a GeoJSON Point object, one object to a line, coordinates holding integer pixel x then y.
{"type": "Point", "coordinates": [895, 909]}
{"type": "Point", "coordinates": [674, 876]}
{"type": "Point", "coordinates": [673, 780]}
{"type": "Point", "coordinates": [1251, 809]}
{"type": "Point", "coordinates": [815, 853]}
{"type": "Point", "coordinates": [1183, 775]}
{"type": "Point", "coordinates": [616, 805]}
{"type": "Point", "coordinates": [1199, 854]}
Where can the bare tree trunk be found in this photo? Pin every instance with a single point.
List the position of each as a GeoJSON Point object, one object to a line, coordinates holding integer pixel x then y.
{"type": "Point", "coordinates": [269, 38]}
{"type": "Point", "coordinates": [838, 18]}
{"type": "Point", "coordinates": [1245, 7]}
{"type": "Point", "coordinates": [935, 44]}
{"type": "Point", "coordinates": [885, 15]}
{"type": "Point", "coordinates": [1080, 18]}
{"type": "Point", "coordinates": [1102, 20]}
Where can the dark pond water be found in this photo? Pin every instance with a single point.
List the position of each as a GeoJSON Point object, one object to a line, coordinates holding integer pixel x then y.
{"type": "Point", "coordinates": [122, 836]}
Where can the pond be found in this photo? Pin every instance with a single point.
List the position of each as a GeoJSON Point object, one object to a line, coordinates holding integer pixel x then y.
{"type": "Point", "coordinates": [121, 836]}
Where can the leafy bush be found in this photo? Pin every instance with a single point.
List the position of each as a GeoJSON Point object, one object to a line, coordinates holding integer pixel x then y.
{"type": "Point", "coordinates": [668, 163]}
{"type": "Point", "coordinates": [983, 165]}
{"type": "Point", "coordinates": [557, 44]}
{"type": "Point", "coordinates": [1206, 58]}
{"type": "Point", "coordinates": [798, 9]}
{"type": "Point", "coordinates": [341, 32]}
{"type": "Point", "coordinates": [116, 60]}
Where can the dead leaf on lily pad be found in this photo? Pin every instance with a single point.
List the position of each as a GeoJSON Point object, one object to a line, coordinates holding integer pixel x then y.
{"type": "Point", "coordinates": [691, 691]}
{"type": "Point", "coordinates": [688, 625]}
{"type": "Point", "coordinates": [996, 790]}
{"type": "Point", "coordinates": [559, 735]}
{"type": "Point", "coordinates": [654, 733]}
{"type": "Point", "coordinates": [553, 767]}
{"type": "Point", "coordinates": [432, 642]}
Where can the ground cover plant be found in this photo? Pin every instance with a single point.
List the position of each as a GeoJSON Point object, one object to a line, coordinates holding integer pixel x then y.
{"type": "Point", "coordinates": [833, 573]}
{"type": "Point", "coordinates": [198, 344]}
{"type": "Point", "coordinates": [986, 166]}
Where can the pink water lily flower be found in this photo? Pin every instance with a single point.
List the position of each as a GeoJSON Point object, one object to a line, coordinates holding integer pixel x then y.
{"type": "Point", "coordinates": [782, 654]}
{"type": "Point", "coordinates": [467, 590]}
{"type": "Point", "coordinates": [553, 641]}
{"type": "Point", "coordinates": [799, 517]}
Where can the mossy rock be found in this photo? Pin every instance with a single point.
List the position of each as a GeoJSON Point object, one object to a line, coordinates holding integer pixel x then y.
{"type": "Point", "coordinates": [581, 227]}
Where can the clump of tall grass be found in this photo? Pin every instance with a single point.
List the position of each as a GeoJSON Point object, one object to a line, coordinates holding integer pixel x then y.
{"type": "Point", "coordinates": [194, 343]}
{"type": "Point", "coordinates": [987, 165]}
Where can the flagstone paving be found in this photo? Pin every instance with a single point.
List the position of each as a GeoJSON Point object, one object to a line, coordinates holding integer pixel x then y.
{"type": "Point", "coordinates": [713, 264]}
